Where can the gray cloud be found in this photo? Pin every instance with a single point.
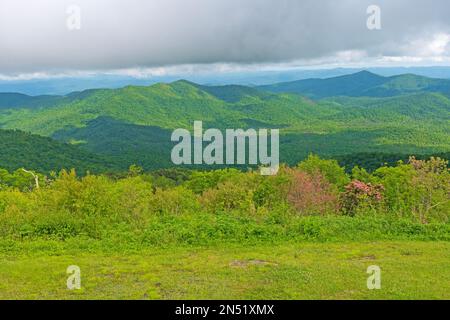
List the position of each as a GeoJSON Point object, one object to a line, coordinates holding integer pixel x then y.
{"type": "Point", "coordinates": [119, 34]}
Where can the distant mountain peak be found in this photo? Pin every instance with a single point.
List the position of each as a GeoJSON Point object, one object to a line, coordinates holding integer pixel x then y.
{"type": "Point", "coordinates": [364, 74]}
{"type": "Point", "coordinates": [360, 84]}
{"type": "Point", "coordinates": [184, 81]}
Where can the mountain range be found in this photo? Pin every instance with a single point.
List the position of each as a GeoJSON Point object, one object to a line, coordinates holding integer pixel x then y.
{"type": "Point", "coordinates": [362, 84]}
{"type": "Point", "coordinates": [357, 113]}
{"type": "Point", "coordinates": [64, 84]}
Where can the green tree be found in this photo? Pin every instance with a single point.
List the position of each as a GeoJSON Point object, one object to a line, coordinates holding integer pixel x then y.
{"type": "Point", "coordinates": [330, 169]}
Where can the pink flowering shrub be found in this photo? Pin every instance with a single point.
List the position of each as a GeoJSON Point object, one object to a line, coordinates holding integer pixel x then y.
{"type": "Point", "coordinates": [361, 195]}
{"type": "Point", "coordinates": [312, 194]}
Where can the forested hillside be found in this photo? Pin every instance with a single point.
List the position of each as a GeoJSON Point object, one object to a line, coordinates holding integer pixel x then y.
{"type": "Point", "coordinates": [43, 154]}
{"type": "Point", "coordinates": [360, 113]}
{"type": "Point", "coordinates": [362, 84]}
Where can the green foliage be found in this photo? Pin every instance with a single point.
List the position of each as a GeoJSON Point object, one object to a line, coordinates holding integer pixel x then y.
{"type": "Point", "coordinates": [24, 150]}
{"type": "Point", "coordinates": [175, 201]}
{"type": "Point", "coordinates": [114, 137]}
{"type": "Point", "coordinates": [224, 204]}
{"type": "Point", "coordinates": [134, 170]}
{"type": "Point", "coordinates": [200, 181]}
{"type": "Point", "coordinates": [399, 190]}
{"type": "Point", "coordinates": [419, 189]}
{"type": "Point", "coordinates": [271, 191]}
{"type": "Point", "coordinates": [330, 169]}
{"type": "Point", "coordinates": [374, 160]}
{"type": "Point", "coordinates": [361, 197]}
{"type": "Point", "coordinates": [229, 197]}
{"type": "Point", "coordinates": [132, 125]}
{"type": "Point", "coordinates": [18, 179]}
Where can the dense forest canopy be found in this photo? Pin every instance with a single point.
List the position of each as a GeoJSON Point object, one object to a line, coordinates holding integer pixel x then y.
{"type": "Point", "coordinates": [110, 129]}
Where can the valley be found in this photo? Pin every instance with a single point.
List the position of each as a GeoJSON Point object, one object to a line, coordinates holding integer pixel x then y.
{"type": "Point", "coordinates": [361, 114]}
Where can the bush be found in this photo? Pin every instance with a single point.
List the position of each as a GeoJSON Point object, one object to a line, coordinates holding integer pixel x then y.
{"type": "Point", "coordinates": [176, 201]}
{"type": "Point", "coordinates": [361, 197]}
{"type": "Point", "coordinates": [329, 169]}
{"type": "Point", "coordinates": [311, 194]}
{"type": "Point", "coordinates": [201, 181]}
{"type": "Point", "coordinates": [432, 185]}
{"type": "Point", "coordinates": [408, 199]}
{"type": "Point", "coordinates": [131, 200]}
{"type": "Point", "coordinates": [419, 190]}
{"type": "Point", "coordinates": [271, 191]}
{"type": "Point", "coordinates": [228, 197]}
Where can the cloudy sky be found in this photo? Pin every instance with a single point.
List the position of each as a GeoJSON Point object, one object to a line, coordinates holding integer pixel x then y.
{"type": "Point", "coordinates": [139, 37]}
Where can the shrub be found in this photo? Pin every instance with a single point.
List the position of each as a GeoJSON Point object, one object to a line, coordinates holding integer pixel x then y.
{"type": "Point", "coordinates": [229, 196]}
{"type": "Point", "coordinates": [311, 194]}
{"type": "Point", "coordinates": [203, 180]}
{"type": "Point", "coordinates": [419, 190]}
{"type": "Point", "coordinates": [131, 199]}
{"type": "Point", "coordinates": [271, 191]}
{"type": "Point", "coordinates": [329, 169]}
{"type": "Point", "coordinates": [432, 186]}
{"type": "Point", "coordinates": [176, 201]}
{"type": "Point", "coordinates": [360, 196]}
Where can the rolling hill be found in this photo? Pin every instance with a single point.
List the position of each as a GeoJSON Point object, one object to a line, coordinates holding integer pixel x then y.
{"type": "Point", "coordinates": [43, 154]}
{"type": "Point", "coordinates": [362, 84]}
{"type": "Point", "coordinates": [17, 100]}
{"type": "Point", "coordinates": [401, 114]}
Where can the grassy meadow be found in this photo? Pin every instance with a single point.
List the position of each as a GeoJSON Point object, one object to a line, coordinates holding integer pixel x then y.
{"type": "Point", "coordinates": [292, 270]}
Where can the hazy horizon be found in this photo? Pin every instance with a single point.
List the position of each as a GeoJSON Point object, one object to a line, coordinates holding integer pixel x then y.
{"type": "Point", "coordinates": [65, 84]}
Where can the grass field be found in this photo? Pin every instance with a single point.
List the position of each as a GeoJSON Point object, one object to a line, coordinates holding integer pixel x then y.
{"type": "Point", "coordinates": [301, 270]}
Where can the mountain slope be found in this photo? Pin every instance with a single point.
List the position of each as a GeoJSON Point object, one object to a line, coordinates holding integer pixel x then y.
{"type": "Point", "coordinates": [133, 124]}
{"type": "Point", "coordinates": [24, 150]}
{"type": "Point", "coordinates": [169, 106]}
{"type": "Point", "coordinates": [9, 100]}
{"type": "Point", "coordinates": [125, 143]}
{"type": "Point", "coordinates": [361, 84]}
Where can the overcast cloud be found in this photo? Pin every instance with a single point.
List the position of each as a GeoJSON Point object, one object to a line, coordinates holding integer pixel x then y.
{"type": "Point", "coordinates": [137, 34]}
